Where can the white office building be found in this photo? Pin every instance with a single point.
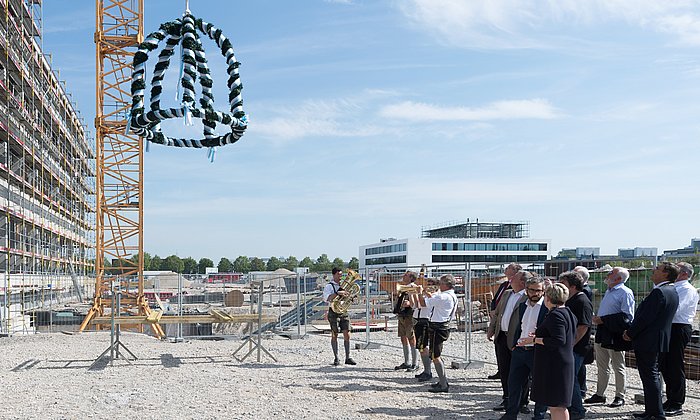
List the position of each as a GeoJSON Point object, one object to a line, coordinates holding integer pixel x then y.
{"type": "Point", "coordinates": [479, 244]}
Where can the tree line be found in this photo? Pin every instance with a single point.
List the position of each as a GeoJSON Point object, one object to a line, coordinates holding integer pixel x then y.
{"type": "Point", "coordinates": [242, 264]}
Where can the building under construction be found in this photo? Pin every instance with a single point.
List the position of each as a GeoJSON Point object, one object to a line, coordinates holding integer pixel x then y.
{"type": "Point", "coordinates": [476, 229]}
{"type": "Point", "coordinates": [46, 177]}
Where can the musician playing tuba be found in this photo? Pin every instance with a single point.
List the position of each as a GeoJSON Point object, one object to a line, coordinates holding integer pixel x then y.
{"type": "Point", "coordinates": [338, 322]}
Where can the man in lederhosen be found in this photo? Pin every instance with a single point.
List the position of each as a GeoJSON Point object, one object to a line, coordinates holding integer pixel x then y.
{"type": "Point", "coordinates": [338, 322]}
{"type": "Point", "coordinates": [441, 306]}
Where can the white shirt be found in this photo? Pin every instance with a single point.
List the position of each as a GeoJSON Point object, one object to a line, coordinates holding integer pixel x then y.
{"type": "Point", "coordinates": [329, 289]}
{"type": "Point", "coordinates": [529, 322]}
{"type": "Point", "coordinates": [510, 306]}
{"type": "Point", "coordinates": [687, 303]}
{"type": "Point", "coordinates": [441, 306]}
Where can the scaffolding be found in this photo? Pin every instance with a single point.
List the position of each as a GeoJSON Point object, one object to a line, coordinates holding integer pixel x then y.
{"type": "Point", "coordinates": [47, 174]}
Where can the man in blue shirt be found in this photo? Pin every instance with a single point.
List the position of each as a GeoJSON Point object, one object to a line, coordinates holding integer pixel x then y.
{"type": "Point", "coordinates": [614, 316]}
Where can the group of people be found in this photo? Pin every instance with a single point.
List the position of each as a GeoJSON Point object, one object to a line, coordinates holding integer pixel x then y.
{"type": "Point", "coordinates": [424, 324]}
{"type": "Point", "coordinates": [542, 335]}
{"type": "Point", "coordinates": [541, 332]}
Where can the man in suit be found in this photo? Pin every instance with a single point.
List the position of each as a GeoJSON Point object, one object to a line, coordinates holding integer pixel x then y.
{"type": "Point", "coordinates": [498, 329]}
{"type": "Point", "coordinates": [672, 364]}
{"type": "Point", "coordinates": [509, 272]}
{"type": "Point", "coordinates": [650, 334]}
{"type": "Point", "coordinates": [527, 317]}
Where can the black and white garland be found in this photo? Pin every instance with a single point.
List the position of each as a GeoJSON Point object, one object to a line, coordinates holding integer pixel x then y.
{"type": "Point", "coordinates": [194, 63]}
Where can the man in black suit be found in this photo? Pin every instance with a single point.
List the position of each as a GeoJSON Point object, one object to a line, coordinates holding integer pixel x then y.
{"type": "Point", "coordinates": [650, 334]}
{"type": "Point", "coordinates": [509, 272]}
{"type": "Point", "coordinates": [498, 332]}
{"type": "Point", "coordinates": [528, 315]}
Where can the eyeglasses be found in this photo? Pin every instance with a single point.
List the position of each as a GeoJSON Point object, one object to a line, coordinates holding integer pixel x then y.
{"type": "Point", "coordinates": [535, 290]}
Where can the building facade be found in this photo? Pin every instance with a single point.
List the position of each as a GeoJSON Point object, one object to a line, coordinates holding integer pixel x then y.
{"type": "Point", "coordinates": [47, 174]}
{"type": "Point", "coordinates": [457, 244]}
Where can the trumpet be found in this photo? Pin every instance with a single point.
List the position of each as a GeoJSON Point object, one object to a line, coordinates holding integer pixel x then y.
{"type": "Point", "coordinates": [407, 288]}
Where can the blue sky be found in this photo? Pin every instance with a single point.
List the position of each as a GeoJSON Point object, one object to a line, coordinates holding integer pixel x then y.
{"type": "Point", "coordinates": [371, 119]}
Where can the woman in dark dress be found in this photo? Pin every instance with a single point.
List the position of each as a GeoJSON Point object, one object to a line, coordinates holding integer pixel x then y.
{"type": "Point", "coordinates": [553, 370]}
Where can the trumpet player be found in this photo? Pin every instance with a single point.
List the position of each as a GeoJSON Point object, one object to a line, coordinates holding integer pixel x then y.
{"type": "Point", "coordinates": [442, 306]}
{"type": "Point", "coordinates": [338, 322]}
{"type": "Point", "coordinates": [421, 319]}
{"type": "Point", "coordinates": [404, 314]}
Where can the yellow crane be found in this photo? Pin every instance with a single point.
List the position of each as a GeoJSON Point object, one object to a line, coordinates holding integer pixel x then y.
{"type": "Point", "coordinates": [119, 164]}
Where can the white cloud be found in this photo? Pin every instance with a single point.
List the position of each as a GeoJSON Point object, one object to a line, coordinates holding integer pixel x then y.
{"type": "Point", "coordinates": [344, 117]}
{"type": "Point", "coordinates": [500, 110]}
{"type": "Point", "coordinates": [533, 23]}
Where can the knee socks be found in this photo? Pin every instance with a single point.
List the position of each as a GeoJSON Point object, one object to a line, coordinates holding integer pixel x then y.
{"type": "Point", "coordinates": [440, 369]}
{"type": "Point", "coordinates": [405, 353]}
{"type": "Point", "coordinates": [334, 346]}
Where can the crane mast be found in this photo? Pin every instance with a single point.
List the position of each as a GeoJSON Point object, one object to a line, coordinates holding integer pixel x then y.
{"type": "Point", "coordinates": [119, 162]}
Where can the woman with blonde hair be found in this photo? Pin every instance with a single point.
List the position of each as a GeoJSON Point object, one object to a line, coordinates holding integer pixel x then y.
{"type": "Point", "coordinates": [553, 370]}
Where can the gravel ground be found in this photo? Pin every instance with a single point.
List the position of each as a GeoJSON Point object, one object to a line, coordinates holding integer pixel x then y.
{"type": "Point", "coordinates": [49, 376]}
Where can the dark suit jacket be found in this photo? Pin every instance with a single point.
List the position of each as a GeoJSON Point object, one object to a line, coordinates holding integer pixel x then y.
{"type": "Point", "coordinates": [588, 292]}
{"type": "Point", "coordinates": [609, 333]}
{"type": "Point", "coordinates": [499, 294]}
{"type": "Point", "coordinates": [515, 328]}
{"type": "Point", "coordinates": [651, 328]}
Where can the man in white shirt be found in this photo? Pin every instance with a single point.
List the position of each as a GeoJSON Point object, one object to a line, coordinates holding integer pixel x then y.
{"type": "Point", "coordinates": [498, 332]}
{"type": "Point", "coordinates": [526, 317]}
{"type": "Point", "coordinates": [672, 364]}
{"type": "Point", "coordinates": [338, 322]}
{"type": "Point", "coordinates": [441, 306]}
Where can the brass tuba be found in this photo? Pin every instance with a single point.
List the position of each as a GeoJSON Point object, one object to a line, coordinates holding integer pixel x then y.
{"type": "Point", "coordinates": [348, 283]}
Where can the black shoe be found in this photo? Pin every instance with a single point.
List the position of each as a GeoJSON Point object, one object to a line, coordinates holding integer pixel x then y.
{"type": "Point", "coordinates": [336, 362]}
{"type": "Point", "coordinates": [525, 410]}
{"type": "Point", "coordinates": [672, 412]}
{"type": "Point", "coordinates": [639, 415]}
{"type": "Point", "coordinates": [594, 399]}
{"type": "Point", "coordinates": [411, 368]}
{"type": "Point", "coordinates": [401, 366]}
{"type": "Point", "coordinates": [446, 388]}
{"type": "Point", "coordinates": [425, 378]}
{"type": "Point", "coordinates": [496, 375]}
{"type": "Point", "coordinates": [422, 374]}
{"type": "Point", "coordinates": [435, 385]}
{"type": "Point", "coordinates": [617, 402]}
{"type": "Point", "coordinates": [502, 406]}
{"type": "Point", "coordinates": [349, 361]}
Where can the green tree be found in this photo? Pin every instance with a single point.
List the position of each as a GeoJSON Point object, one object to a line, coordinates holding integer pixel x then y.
{"type": "Point", "coordinates": [241, 264]}
{"type": "Point", "coordinates": [322, 264]}
{"type": "Point", "coordinates": [156, 262]}
{"type": "Point", "coordinates": [146, 260]}
{"type": "Point", "coordinates": [257, 264]}
{"type": "Point", "coordinates": [225, 265]}
{"type": "Point", "coordinates": [354, 263]}
{"type": "Point", "coordinates": [291, 263]}
{"type": "Point", "coordinates": [338, 262]}
{"type": "Point", "coordinates": [189, 265]}
{"type": "Point", "coordinates": [306, 262]}
{"type": "Point", "coordinates": [172, 263]}
{"type": "Point", "coordinates": [273, 264]}
{"type": "Point", "coordinates": [203, 264]}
